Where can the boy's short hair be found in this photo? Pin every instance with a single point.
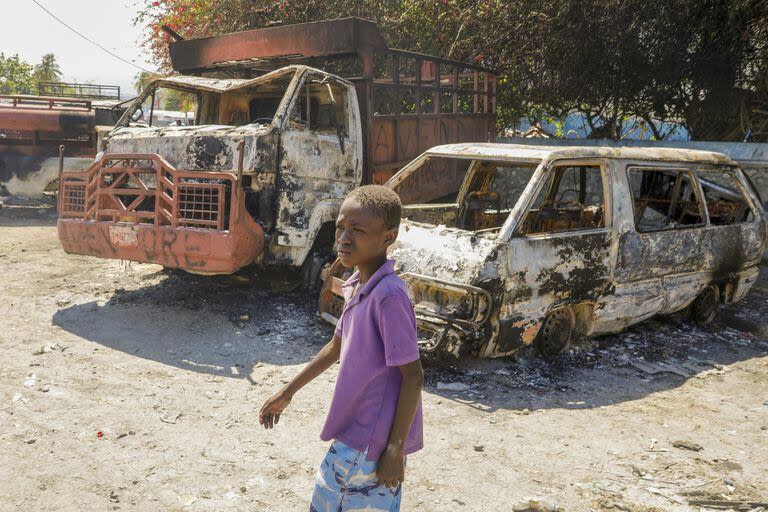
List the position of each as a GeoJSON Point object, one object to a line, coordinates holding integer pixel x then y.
{"type": "Point", "coordinates": [383, 200]}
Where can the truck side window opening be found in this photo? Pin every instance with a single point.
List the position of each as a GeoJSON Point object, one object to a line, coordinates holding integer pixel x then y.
{"type": "Point", "coordinates": [167, 107]}
{"type": "Point", "coordinates": [664, 199]}
{"type": "Point", "coordinates": [571, 199]}
{"type": "Point", "coordinates": [724, 197]}
{"type": "Point", "coordinates": [321, 106]}
{"type": "Point", "coordinates": [493, 192]}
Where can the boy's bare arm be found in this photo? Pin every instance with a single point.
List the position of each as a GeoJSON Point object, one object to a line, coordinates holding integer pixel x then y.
{"type": "Point", "coordinates": [270, 412]}
{"type": "Point", "coordinates": [390, 469]}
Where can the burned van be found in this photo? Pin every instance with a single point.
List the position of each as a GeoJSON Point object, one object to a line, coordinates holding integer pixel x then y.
{"type": "Point", "coordinates": [540, 245]}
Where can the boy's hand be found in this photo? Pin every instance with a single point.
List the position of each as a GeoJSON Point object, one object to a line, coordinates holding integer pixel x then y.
{"type": "Point", "coordinates": [270, 412]}
{"type": "Point", "coordinates": [391, 467]}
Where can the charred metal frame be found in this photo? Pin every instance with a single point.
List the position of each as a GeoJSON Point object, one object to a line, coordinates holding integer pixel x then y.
{"type": "Point", "coordinates": [393, 138]}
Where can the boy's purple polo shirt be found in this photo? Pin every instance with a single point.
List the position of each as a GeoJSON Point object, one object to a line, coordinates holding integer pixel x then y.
{"type": "Point", "coordinates": [378, 333]}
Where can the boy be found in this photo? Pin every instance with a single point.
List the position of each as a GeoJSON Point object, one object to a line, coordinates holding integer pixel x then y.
{"type": "Point", "coordinates": [375, 416]}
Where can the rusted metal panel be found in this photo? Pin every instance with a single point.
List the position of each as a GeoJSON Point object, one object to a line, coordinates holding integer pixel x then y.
{"type": "Point", "coordinates": [298, 42]}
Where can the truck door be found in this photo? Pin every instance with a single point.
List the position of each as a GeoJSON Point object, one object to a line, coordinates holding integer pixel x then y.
{"type": "Point", "coordinates": [320, 160]}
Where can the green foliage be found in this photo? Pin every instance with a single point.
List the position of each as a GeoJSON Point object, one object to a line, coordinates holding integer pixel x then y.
{"type": "Point", "coordinates": [626, 65]}
{"type": "Point", "coordinates": [15, 75]}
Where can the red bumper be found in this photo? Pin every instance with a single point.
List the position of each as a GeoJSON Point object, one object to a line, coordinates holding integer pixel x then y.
{"type": "Point", "coordinates": [195, 250]}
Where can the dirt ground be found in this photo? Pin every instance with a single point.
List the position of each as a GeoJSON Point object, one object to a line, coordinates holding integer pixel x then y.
{"type": "Point", "coordinates": [124, 387]}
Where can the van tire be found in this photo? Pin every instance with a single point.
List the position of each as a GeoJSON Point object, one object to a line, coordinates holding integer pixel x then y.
{"type": "Point", "coordinates": [556, 333]}
{"type": "Point", "coordinates": [704, 307]}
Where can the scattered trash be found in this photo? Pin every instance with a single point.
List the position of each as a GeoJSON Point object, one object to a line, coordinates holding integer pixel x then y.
{"type": "Point", "coordinates": [452, 386]}
{"type": "Point", "coordinates": [244, 318]}
{"type": "Point", "coordinates": [99, 434]}
{"type": "Point", "coordinates": [48, 347]}
{"type": "Point", "coordinates": [687, 445]}
{"type": "Point", "coordinates": [167, 419]}
{"type": "Point", "coordinates": [30, 381]}
{"type": "Point", "coordinates": [535, 504]}
{"type": "Point", "coordinates": [31, 441]}
{"type": "Point", "coordinates": [479, 448]}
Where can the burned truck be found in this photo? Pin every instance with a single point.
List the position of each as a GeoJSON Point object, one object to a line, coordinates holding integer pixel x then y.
{"type": "Point", "coordinates": [544, 244]}
{"type": "Point", "coordinates": [32, 129]}
{"type": "Point", "coordinates": [259, 173]}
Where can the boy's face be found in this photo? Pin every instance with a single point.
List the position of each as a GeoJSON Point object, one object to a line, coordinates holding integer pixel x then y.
{"type": "Point", "coordinates": [361, 235]}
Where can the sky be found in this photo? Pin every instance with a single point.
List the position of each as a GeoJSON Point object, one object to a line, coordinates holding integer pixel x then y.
{"type": "Point", "coordinates": [27, 30]}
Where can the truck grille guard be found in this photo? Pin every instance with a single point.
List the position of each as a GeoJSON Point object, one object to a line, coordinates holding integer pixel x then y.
{"type": "Point", "coordinates": [145, 189]}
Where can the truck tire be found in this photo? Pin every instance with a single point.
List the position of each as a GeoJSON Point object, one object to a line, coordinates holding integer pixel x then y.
{"type": "Point", "coordinates": [321, 255]}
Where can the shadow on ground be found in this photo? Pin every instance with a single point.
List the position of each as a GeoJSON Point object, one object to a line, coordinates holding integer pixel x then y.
{"type": "Point", "coordinates": [205, 324]}
{"type": "Point", "coordinates": [41, 214]}
{"type": "Point", "coordinates": [218, 326]}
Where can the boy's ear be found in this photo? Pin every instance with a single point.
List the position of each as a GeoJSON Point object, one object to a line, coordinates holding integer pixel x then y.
{"type": "Point", "coordinates": [391, 236]}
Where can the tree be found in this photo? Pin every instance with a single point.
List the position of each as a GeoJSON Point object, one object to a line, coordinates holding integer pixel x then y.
{"type": "Point", "coordinates": [48, 70]}
{"type": "Point", "coordinates": [623, 65]}
{"type": "Point", "coordinates": [15, 75]}
{"type": "Point", "coordinates": [143, 79]}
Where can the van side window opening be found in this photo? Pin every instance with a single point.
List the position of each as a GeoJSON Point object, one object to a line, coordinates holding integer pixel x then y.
{"type": "Point", "coordinates": [664, 199]}
{"type": "Point", "coordinates": [321, 106]}
{"type": "Point", "coordinates": [724, 197]}
{"type": "Point", "coordinates": [493, 192]}
{"type": "Point", "coordinates": [571, 199]}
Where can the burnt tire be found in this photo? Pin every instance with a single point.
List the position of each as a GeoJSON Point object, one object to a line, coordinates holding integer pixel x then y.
{"type": "Point", "coordinates": [556, 333]}
{"type": "Point", "coordinates": [703, 309]}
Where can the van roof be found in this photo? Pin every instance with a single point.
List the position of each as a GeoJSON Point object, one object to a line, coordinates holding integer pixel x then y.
{"type": "Point", "coordinates": [531, 153]}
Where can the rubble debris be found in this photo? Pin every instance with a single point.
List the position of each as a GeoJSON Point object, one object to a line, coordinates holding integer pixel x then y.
{"type": "Point", "coordinates": [452, 386]}
{"type": "Point", "coordinates": [535, 505]}
{"type": "Point", "coordinates": [48, 347]}
{"type": "Point", "coordinates": [729, 505]}
{"type": "Point", "coordinates": [687, 445]}
{"type": "Point", "coordinates": [30, 380]}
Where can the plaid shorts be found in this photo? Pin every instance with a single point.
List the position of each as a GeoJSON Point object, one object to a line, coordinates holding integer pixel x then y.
{"type": "Point", "coordinates": [347, 482]}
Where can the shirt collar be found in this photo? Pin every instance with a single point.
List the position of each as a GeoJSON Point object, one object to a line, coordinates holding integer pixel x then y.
{"type": "Point", "coordinates": [387, 268]}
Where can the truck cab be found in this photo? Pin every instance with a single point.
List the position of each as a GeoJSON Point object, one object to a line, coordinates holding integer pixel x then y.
{"type": "Point", "coordinates": [251, 175]}
{"type": "Point", "coordinates": [252, 170]}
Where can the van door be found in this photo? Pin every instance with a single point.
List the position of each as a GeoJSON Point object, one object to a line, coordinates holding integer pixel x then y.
{"type": "Point", "coordinates": [560, 250]}
{"type": "Point", "coordinates": [659, 266]}
{"type": "Point", "coordinates": [320, 159]}
{"type": "Point", "coordinates": [733, 240]}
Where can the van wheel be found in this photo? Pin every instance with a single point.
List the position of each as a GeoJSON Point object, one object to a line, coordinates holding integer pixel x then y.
{"type": "Point", "coordinates": [704, 307]}
{"type": "Point", "coordinates": [556, 333]}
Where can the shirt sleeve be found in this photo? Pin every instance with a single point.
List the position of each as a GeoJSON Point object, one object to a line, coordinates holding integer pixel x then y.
{"type": "Point", "coordinates": [337, 331]}
{"type": "Point", "coordinates": [397, 326]}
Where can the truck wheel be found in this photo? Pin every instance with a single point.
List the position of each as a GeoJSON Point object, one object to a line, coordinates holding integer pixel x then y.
{"type": "Point", "coordinates": [704, 307]}
{"type": "Point", "coordinates": [556, 333]}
